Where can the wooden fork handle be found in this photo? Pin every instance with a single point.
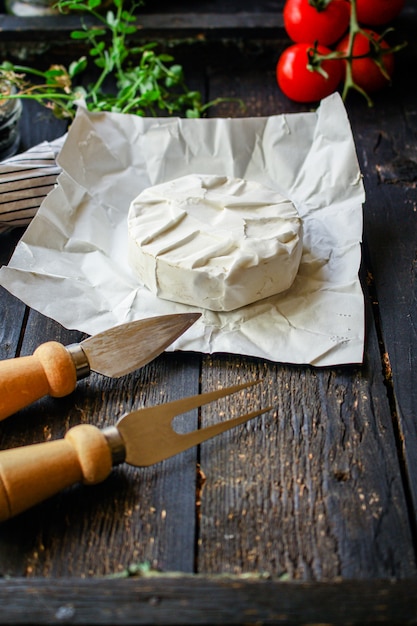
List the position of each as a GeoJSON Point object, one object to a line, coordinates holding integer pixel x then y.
{"type": "Point", "coordinates": [50, 370]}
{"type": "Point", "coordinates": [30, 474]}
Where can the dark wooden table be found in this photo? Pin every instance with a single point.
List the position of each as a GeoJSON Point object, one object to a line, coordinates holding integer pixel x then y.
{"type": "Point", "coordinates": [308, 516]}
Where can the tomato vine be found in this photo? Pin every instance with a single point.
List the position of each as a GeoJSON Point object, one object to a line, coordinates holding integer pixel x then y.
{"type": "Point", "coordinates": [366, 57]}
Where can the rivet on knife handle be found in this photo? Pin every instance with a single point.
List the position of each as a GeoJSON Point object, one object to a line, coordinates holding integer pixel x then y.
{"type": "Point", "coordinates": [49, 370]}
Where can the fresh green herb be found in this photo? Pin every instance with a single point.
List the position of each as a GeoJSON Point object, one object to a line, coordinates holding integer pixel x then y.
{"type": "Point", "coordinates": [142, 81]}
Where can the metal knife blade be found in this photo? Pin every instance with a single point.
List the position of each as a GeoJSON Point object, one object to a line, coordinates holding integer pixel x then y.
{"type": "Point", "coordinates": [147, 436]}
{"type": "Point", "coordinates": [122, 349]}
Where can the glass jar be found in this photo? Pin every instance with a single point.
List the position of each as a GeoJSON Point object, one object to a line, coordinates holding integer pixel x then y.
{"type": "Point", "coordinates": [30, 8]}
{"type": "Point", "coordinates": [33, 8]}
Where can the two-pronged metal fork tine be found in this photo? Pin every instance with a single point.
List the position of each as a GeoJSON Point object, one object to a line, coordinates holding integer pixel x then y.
{"type": "Point", "coordinates": [183, 441]}
{"type": "Point", "coordinates": [149, 437]}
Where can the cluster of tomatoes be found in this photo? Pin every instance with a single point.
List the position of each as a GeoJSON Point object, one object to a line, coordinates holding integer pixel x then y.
{"type": "Point", "coordinates": [334, 42]}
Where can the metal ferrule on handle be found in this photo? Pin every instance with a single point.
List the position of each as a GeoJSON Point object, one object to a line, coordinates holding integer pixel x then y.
{"type": "Point", "coordinates": [116, 444]}
{"type": "Point", "coordinates": [82, 367]}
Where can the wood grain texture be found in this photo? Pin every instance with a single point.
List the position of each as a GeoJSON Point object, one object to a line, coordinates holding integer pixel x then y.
{"type": "Point", "coordinates": [210, 601]}
{"type": "Point", "coordinates": [387, 139]}
{"type": "Point", "coordinates": [12, 310]}
{"type": "Point", "coordinates": [12, 323]}
{"type": "Point", "coordinates": [311, 491]}
{"type": "Point", "coordinates": [137, 514]}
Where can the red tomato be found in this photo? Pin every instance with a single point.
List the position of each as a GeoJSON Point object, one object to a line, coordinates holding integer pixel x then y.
{"type": "Point", "coordinates": [302, 84]}
{"type": "Point", "coordinates": [365, 72]}
{"type": "Point", "coordinates": [377, 12]}
{"type": "Point", "coordinates": [324, 22]}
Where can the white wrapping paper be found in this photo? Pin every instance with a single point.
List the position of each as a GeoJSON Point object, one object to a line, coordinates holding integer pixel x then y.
{"type": "Point", "coordinates": [71, 263]}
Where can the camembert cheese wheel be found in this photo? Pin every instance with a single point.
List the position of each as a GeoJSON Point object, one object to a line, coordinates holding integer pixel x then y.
{"type": "Point", "coordinates": [214, 242]}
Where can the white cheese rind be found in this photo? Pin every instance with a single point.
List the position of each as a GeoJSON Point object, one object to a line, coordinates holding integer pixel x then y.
{"type": "Point", "coordinates": [214, 242]}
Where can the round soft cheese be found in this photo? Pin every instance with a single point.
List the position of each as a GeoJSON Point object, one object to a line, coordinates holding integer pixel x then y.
{"type": "Point", "coordinates": [214, 242]}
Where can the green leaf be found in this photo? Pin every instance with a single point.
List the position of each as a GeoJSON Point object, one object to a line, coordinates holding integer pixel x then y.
{"type": "Point", "coordinates": [150, 96]}
{"type": "Point", "coordinates": [72, 6]}
{"type": "Point", "coordinates": [165, 58]}
{"type": "Point", "coordinates": [128, 17]}
{"type": "Point", "coordinates": [194, 95]}
{"type": "Point", "coordinates": [192, 113]}
{"type": "Point", "coordinates": [7, 66]}
{"type": "Point", "coordinates": [150, 45]}
{"type": "Point", "coordinates": [145, 84]}
{"type": "Point", "coordinates": [98, 49]}
{"type": "Point", "coordinates": [176, 70]}
{"type": "Point", "coordinates": [79, 34]}
{"type": "Point", "coordinates": [127, 29]}
{"type": "Point", "coordinates": [76, 67]}
{"type": "Point", "coordinates": [157, 72]}
{"type": "Point", "coordinates": [170, 82]}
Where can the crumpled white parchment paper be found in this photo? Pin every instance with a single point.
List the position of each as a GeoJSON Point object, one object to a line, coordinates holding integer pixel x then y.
{"type": "Point", "coordinates": [71, 263]}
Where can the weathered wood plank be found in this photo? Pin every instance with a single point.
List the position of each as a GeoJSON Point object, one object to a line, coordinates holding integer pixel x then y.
{"type": "Point", "coordinates": [387, 149]}
{"type": "Point", "coordinates": [12, 311]}
{"type": "Point", "coordinates": [205, 601]}
{"type": "Point", "coordinates": [313, 491]}
{"type": "Point", "coordinates": [205, 26]}
{"type": "Point", "coordinates": [136, 514]}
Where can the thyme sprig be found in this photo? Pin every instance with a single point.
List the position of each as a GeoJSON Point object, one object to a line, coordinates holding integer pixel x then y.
{"type": "Point", "coordinates": [131, 79]}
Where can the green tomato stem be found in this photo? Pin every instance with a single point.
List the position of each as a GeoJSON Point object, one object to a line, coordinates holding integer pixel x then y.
{"type": "Point", "coordinates": [316, 59]}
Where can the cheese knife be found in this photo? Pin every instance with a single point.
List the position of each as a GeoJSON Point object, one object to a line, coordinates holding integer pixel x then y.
{"type": "Point", "coordinates": [54, 369]}
{"type": "Point", "coordinates": [30, 474]}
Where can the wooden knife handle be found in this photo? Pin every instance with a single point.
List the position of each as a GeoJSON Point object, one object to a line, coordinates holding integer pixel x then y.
{"type": "Point", "coordinates": [50, 370]}
{"type": "Point", "coordinates": [30, 474]}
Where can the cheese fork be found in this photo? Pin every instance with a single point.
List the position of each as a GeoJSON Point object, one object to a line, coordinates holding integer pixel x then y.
{"type": "Point", "coordinates": [30, 474]}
